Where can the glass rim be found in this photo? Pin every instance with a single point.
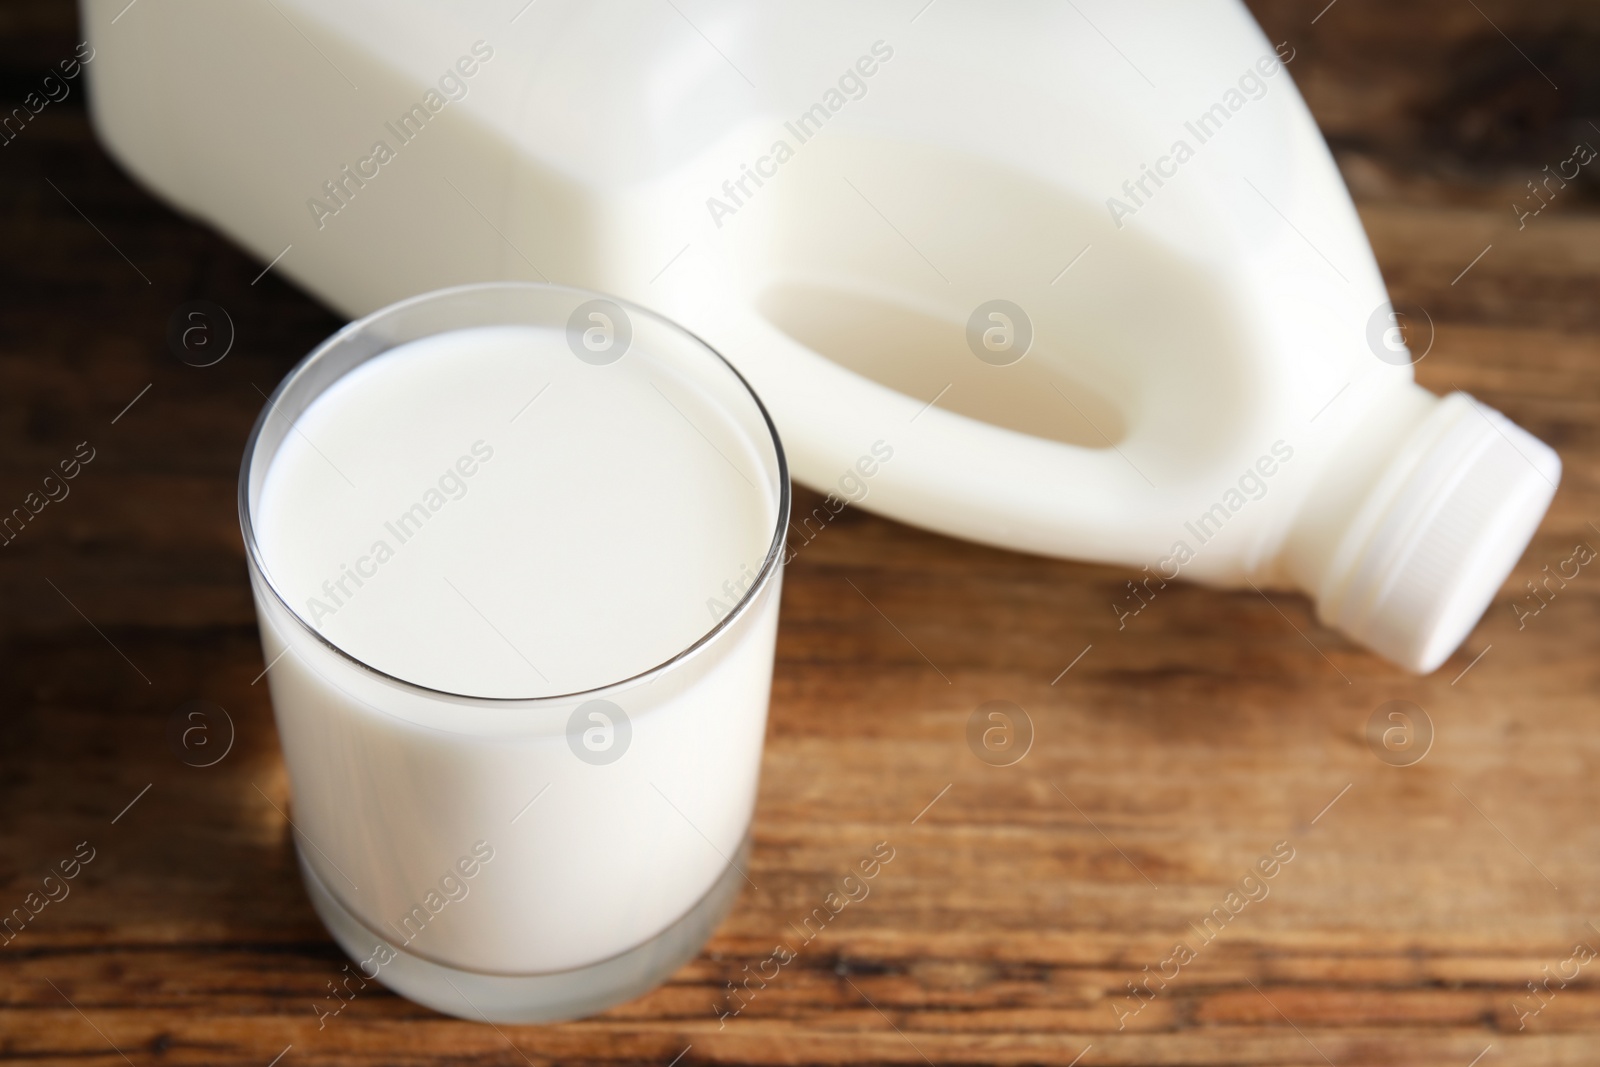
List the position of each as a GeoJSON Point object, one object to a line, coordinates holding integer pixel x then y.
{"type": "Point", "coordinates": [764, 576]}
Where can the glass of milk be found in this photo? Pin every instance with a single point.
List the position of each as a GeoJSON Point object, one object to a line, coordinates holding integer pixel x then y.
{"type": "Point", "coordinates": [516, 553]}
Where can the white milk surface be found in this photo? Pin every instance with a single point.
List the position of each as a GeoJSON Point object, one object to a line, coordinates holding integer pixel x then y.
{"type": "Point", "coordinates": [482, 513]}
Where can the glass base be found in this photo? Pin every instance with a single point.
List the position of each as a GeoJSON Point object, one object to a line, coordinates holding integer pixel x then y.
{"type": "Point", "coordinates": [532, 998]}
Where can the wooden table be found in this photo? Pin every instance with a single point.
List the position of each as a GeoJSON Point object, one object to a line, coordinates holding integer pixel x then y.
{"type": "Point", "coordinates": [1420, 901]}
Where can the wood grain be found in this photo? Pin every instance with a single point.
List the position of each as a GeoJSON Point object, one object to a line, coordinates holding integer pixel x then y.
{"type": "Point", "coordinates": [1172, 756]}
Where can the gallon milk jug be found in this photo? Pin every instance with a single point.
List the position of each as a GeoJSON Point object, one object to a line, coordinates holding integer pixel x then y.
{"type": "Point", "coordinates": [1074, 279]}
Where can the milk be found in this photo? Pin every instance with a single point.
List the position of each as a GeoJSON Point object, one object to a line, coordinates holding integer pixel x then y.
{"type": "Point", "coordinates": [473, 557]}
{"type": "Point", "coordinates": [527, 524]}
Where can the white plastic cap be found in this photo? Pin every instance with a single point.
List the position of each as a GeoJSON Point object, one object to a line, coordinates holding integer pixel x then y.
{"type": "Point", "coordinates": [1439, 533]}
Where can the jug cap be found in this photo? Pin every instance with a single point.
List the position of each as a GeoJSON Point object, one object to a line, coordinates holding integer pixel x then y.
{"type": "Point", "coordinates": [1444, 529]}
